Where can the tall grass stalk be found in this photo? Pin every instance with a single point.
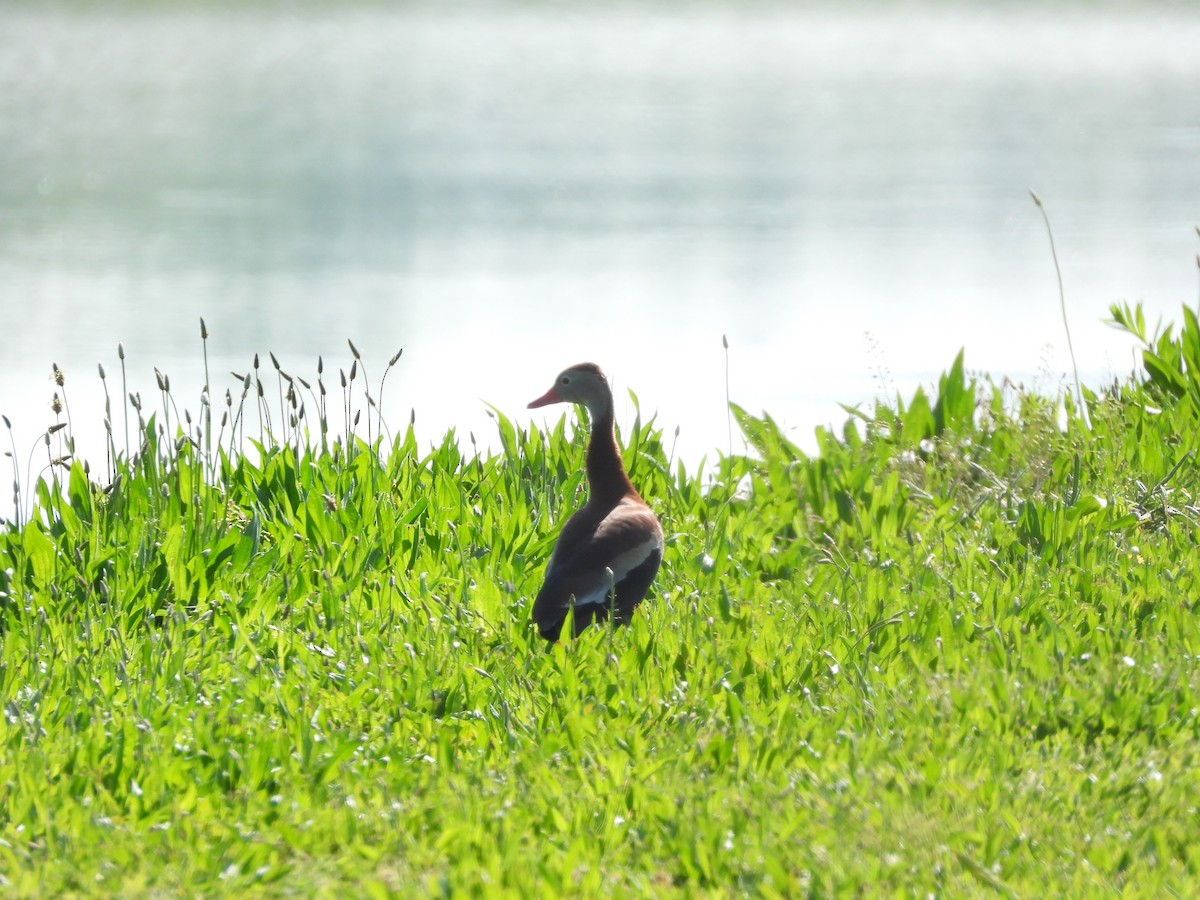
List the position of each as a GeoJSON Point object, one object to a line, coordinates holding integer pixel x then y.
{"type": "Point", "coordinates": [124, 394]}
{"type": "Point", "coordinates": [110, 447]}
{"type": "Point", "coordinates": [1062, 299]}
{"type": "Point", "coordinates": [206, 400]}
{"type": "Point", "coordinates": [382, 381]}
{"type": "Point", "coordinates": [728, 399]}
{"type": "Point", "coordinates": [11, 453]}
{"type": "Point", "coordinates": [358, 361]}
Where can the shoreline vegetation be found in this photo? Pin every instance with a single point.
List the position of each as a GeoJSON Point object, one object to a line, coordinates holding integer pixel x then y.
{"type": "Point", "coordinates": [954, 651]}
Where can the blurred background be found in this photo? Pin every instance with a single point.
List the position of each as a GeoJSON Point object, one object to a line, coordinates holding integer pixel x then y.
{"type": "Point", "coordinates": [506, 188]}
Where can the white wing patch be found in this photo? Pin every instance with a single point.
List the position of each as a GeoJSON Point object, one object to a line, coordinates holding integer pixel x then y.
{"type": "Point", "coordinates": [621, 565]}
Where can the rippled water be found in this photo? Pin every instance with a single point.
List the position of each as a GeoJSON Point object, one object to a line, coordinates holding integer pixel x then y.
{"type": "Point", "coordinates": [509, 189]}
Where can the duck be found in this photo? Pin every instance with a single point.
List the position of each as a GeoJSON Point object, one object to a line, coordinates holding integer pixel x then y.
{"type": "Point", "coordinates": [610, 549]}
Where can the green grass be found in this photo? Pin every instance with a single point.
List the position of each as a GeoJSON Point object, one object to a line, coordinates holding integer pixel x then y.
{"type": "Point", "coordinates": [954, 652]}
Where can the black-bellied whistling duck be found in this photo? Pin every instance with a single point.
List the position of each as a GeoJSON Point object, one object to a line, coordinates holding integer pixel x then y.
{"type": "Point", "coordinates": [609, 551]}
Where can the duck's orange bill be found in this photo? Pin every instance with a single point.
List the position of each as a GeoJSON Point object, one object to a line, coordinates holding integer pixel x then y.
{"type": "Point", "coordinates": [551, 396]}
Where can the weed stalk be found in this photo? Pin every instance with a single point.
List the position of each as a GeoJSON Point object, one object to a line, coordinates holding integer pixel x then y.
{"type": "Point", "coordinates": [1062, 299]}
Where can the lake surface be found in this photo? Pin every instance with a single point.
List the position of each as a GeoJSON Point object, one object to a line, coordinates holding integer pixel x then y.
{"type": "Point", "coordinates": [505, 190]}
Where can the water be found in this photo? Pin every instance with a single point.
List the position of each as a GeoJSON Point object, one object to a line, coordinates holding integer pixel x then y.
{"type": "Point", "coordinates": [509, 189]}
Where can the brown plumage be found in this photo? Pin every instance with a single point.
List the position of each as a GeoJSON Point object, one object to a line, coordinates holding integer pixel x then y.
{"type": "Point", "coordinates": [614, 540]}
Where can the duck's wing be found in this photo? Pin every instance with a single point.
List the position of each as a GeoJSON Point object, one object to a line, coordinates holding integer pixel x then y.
{"type": "Point", "coordinates": [627, 543]}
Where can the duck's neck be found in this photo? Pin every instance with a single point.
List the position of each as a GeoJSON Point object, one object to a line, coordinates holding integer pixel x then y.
{"type": "Point", "coordinates": [605, 471]}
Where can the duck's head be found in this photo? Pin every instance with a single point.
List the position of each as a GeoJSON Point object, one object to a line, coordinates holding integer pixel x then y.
{"type": "Point", "coordinates": [584, 383]}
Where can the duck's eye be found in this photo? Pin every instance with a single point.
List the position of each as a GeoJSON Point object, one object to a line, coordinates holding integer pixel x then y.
{"type": "Point", "coordinates": [565, 380]}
